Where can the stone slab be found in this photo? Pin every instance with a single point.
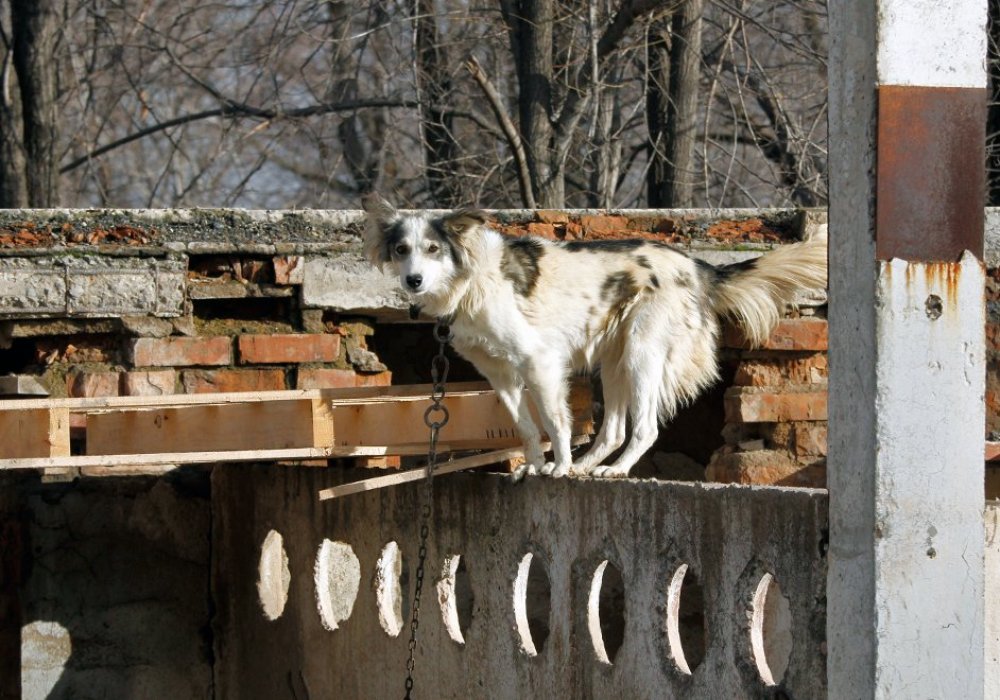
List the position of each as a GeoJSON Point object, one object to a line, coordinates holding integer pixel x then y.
{"type": "Point", "coordinates": [91, 287]}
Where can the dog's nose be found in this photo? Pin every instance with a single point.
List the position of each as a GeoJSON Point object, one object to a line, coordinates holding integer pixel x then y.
{"type": "Point", "coordinates": [413, 281]}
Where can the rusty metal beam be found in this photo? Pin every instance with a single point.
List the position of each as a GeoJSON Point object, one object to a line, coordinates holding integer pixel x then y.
{"type": "Point", "coordinates": [931, 176]}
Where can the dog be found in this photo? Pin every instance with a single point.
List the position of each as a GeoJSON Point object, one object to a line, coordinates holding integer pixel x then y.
{"type": "Point", "coordinates": [530, 312]}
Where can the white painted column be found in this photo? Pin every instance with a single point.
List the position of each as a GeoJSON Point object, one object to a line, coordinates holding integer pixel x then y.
{"type": "Point", "coordinates": [905, 591]}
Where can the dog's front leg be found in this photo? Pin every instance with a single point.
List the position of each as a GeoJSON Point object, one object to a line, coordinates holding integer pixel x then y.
{"type": "Point", "coordinates": [516, 402]}
{"type": "Point", "coordinates": [549, 389]}
{"type": "Point", "coordinates": [510, 390]}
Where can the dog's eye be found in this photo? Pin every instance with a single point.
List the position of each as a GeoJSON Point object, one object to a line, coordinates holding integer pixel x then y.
{"type": "Point", "coordinates": [433, 248]}
{"type": "Point", "coordinates": [402, 249]}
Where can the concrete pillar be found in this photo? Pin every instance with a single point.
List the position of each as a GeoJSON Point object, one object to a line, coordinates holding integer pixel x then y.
{"type": "Point", "coordinates": [907, 121]}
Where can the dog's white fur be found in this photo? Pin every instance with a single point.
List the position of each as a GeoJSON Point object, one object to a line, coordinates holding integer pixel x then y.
{"type": "Point", "coordinates": [530, 312]}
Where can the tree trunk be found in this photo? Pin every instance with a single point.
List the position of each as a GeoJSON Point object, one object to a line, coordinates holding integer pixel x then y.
{"type": "Point", "coordinates": [435, 85]}
{"type": "Point", "coordinates": [530, 23]}
{"type": "Point", "coordinates": [671, 182]}
{"type": "Point", "coordinates": [13, 187]}
{"type": "Point", "coordinates": [35, 24]}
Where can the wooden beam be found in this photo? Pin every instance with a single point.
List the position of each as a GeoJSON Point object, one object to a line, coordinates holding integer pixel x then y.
{"type": "Point", "coordinates": [344, 395]}
{"type": "Point", "coordinates": [214, 428]}
{"type": "Point", "coordinates": [455, 465]}
{"type": "Point", "coordinates": [178, 458]}
{"type": "Point", "coordinates": [37, 432]}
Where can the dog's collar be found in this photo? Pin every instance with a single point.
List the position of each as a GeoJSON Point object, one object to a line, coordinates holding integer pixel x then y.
{"type": "Point", "coordinates": [415, 310]}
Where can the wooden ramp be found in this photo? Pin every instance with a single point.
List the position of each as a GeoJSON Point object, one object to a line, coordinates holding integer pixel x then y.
{"type": "Point", "coordinates": [129, 434]}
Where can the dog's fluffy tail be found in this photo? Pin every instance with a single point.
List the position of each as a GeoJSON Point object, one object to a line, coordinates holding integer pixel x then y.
{"type": "Point", "coordinates": [754, 292]}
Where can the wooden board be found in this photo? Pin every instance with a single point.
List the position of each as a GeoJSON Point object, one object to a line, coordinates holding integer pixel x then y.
{"type": "Point", "coordinates": [455, 465]}
{"type": "Point", "coordinates": [272, 425]}
{"type": "Point", "coordinates": [472, 417]}
{"type": "Point", "coordinates": [475, 420]}
{"type": "Point", "coordinates": [37, 432]}
{"type": "Point", "coordinates": [343, 395]}
{"type": "Point", "coordinates": [178, 458]}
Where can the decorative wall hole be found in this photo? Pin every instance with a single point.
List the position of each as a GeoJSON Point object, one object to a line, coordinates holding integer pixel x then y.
{"type": "Point", "coordinates": [532, 605]}
{"type": "Point", "coordinates": [770, 631]}
{"type": "Point", "coordinates": [456, 597]}
{"type": "Point", "coordinates": [273, 577]}
{"type": "Point", "coordinates": [686, 636]}
{"type": "Point", "coordinates": [392, 585]}
{"type": "Point", "coordinates": [338, 578]}
{"type": "Point", "coordinates": [606, 611]}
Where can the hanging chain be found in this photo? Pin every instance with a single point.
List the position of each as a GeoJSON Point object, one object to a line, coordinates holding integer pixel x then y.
{"type": "Point", "coordinates": [435, 417]}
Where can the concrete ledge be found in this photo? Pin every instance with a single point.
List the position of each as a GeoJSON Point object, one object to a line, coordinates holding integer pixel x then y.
{"type": "Point", "coordinates": [729, 536]}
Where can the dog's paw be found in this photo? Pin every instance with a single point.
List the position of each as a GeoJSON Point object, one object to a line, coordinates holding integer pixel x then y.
{"type": "Point", "coordinates": [526, 469]}
{"type": "Point", "coordinates": [581, 470]}
{"type": "Point", "coordinates": [555, 470]}
{"type": "Point", "coordinates": [610, 472]}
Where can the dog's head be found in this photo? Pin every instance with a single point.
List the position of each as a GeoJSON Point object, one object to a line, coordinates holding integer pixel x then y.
{"type": "Point", "coordinates": [427, 254]}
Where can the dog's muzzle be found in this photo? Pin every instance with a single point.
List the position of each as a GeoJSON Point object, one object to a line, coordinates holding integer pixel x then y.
{"type": "Point", "coordinates": [414, 281]}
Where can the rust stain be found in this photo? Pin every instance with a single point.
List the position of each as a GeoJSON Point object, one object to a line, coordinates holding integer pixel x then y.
{"type": "Point", "coordinates": [930, 188]}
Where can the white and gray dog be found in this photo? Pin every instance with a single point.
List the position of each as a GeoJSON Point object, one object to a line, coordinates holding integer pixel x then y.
{"type": "Point", "coordinates": [529, 312]}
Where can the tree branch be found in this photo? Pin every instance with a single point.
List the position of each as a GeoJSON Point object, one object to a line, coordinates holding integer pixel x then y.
{"type": "Point", "coordinates": [236, 110]}
{"type": "Point", "coordinates": [508, 128]}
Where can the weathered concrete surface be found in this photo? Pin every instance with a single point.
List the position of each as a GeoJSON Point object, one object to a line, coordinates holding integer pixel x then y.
{"type": "Point", "coordinates": [729, 536]}
{"type": "Point", "coordinates": [929, 475]}
{"type": "Point", "coordinates": [349, 283]}
{"type": "Point", "coordinates": [90, 286]}
{"type": "Point", "coordinates": [992, 560]}
{"type": "Point", "coordinates": [116, 597]}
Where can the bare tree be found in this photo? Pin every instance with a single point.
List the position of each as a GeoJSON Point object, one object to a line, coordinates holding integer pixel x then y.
{"type": "Point", "coordinates": [298, 103]}
{"type": "Point", "coordinates": [28, 136]}
{"type": "Point", "coordinates": [672, 101]}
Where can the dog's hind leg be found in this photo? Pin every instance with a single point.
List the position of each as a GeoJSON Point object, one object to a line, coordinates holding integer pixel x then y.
{"type": "Point", "coordinates": [645, 369]}
{"type": "Point", "coordinates": [612, 433]}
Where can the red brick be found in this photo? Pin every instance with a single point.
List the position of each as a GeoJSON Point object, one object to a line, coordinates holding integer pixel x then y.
{"type": "Point", "coordinates": [552, 216]}
{"type": "Point", "coordinates": [85, 385]}
{"type": "Point", "coordinates": [289, 269]}
{"type": "Point", "coordinates": [781, 369]}
{"type": "Point", "coordinates": [182, 352]}
{"type": "Point", "coordinates": [754, 405]}
{"type": "Point", "coordinates": [376, 379]}
{"type": "Point", "coordinates": [205, 381]}
{"type": "Point", "coordinates": [789, 334]}
{"type": "Point", "coordinates": [287, 348]}
{"type": "Point", "coordinates": [149, 383]}
{"type": "Point", "coordinates": [763, 467]}
{"type": "Point", "coordinates": [325, 378]}
{"type": "Point", "coordinates": [810, 439]}
{"type": "Point", "coordinates": [599, 224]}
{"type": "Point", "coordinates": [541, 230]}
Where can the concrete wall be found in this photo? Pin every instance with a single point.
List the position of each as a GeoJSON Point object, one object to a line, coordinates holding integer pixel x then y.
{"type": "Point", "coordinates": [115, 598]}
{"type": "Point", "coordinates": [729, 536]}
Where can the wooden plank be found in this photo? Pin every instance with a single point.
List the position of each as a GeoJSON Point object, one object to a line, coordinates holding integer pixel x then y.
{"type": "Point", "coordinates": [137, 460]}
{"type": "Point", "coordinates": [475, 419]}
{"type": "Point", "coordinates": [478, 416]}
{"type": "Point", "coordinates": [36, 432]}
{"type": "Point", "coordinates": [214, 428]}
{"type": "Point", "coordinates": [346, 395]}
{"type": "Point", "coordinates": [455, 465]}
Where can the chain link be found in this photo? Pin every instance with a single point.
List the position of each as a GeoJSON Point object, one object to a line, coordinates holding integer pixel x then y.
{"type": "Point", "coordinates": [435, 418]}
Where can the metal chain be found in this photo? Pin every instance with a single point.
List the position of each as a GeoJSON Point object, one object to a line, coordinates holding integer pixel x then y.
{"type": "Point", "coordinates": [435, 418]}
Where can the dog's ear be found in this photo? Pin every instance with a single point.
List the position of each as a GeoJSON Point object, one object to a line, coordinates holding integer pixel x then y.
{"type": "Point", "coordinates": [463, 220]}
{"type": "Point", "coordinates": [381, 215]}
{"type": "Point", "coordinates": [378, 207]}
